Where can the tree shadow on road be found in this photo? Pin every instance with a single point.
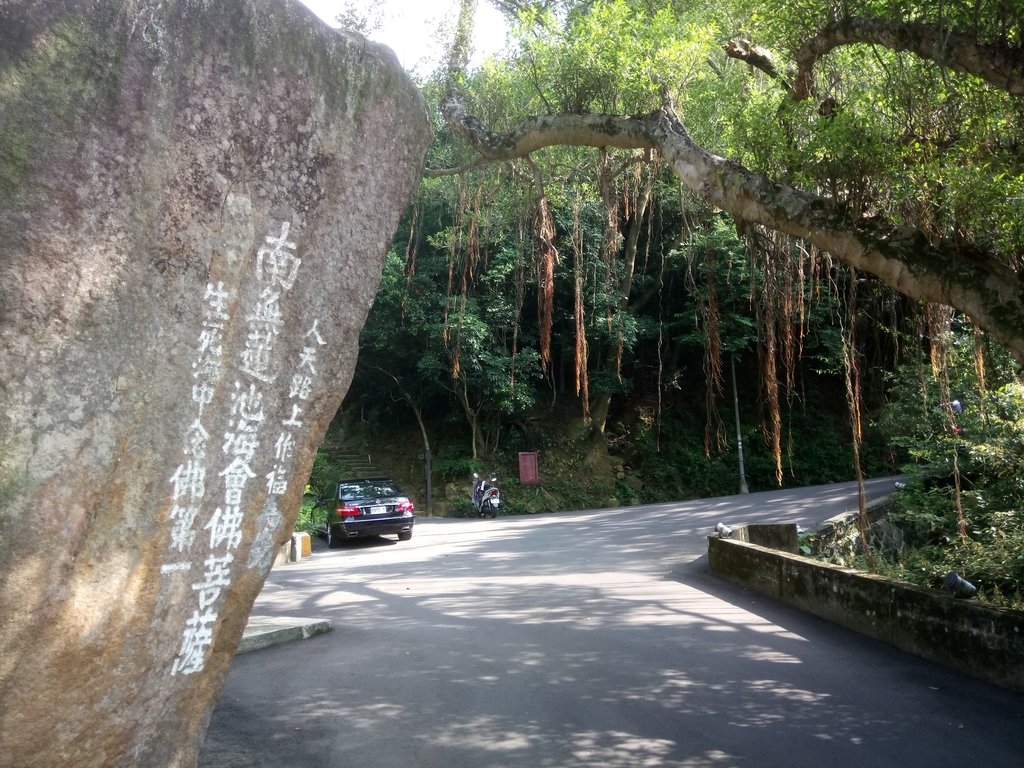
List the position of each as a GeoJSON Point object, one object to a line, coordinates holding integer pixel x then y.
{"type": "Point", "coordinates": [582, 640]}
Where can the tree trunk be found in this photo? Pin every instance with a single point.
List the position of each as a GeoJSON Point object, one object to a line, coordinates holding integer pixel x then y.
{"type": "Point", "coordinates": [602, 403]}
{"type": "Point", "coordinates": [472, 418]}
{"type": "Point", "coordinates": [599, 412]}
{"type": "Point", "coordinates": [417, 411]}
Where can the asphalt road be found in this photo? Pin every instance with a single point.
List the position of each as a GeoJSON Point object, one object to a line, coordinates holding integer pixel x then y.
{"type": "Point", "coordinates": [588, 639]}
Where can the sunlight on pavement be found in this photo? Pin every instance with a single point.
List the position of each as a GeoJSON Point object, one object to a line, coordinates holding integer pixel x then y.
{"type": "Point", "coordinates": [573, 640]}
{"type": "Point", "coordinates": [596, 601]}
{"type": "Point", "coordinates": [615, 748]}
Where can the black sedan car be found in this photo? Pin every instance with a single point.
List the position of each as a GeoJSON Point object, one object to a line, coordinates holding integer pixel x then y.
{"type": "Point", "coordinates": [368, 506]}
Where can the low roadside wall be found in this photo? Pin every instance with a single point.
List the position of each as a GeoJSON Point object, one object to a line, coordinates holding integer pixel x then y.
{"type": "Point", "coordinates": [986, 643]}
{"type": "Point", "coordinates": [782, 537]}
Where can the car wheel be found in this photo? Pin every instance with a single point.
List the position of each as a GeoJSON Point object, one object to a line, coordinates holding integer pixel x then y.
{"type": "Point", "coordinates": [332, 539]}
{"type": "Point", "coordinates": [404, 535]}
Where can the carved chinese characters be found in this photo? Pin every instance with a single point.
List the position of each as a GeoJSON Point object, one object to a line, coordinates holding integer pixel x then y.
{"type": "Point", "coordinates": [246, 443]}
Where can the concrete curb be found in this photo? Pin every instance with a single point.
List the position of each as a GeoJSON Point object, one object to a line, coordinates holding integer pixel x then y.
{"type": "Point", "coordinates": [266, 631]}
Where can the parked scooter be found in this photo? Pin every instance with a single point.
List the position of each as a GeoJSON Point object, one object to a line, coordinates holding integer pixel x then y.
{"type": "Point", "coordinates": [486, 497]}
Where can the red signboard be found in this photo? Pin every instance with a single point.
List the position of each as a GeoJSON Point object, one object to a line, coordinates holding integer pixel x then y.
{"type": "Point", "coordinates": [528, 474]}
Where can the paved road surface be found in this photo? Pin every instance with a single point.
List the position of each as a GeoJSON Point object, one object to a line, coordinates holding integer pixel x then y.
{"type": "Point", "coordinates": [588, 639]}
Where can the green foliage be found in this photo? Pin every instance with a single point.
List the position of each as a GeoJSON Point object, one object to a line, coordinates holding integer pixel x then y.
{"type": "Point", "coordinates": [903, 135]}
{"type": "Point", "coordinates": [578, 491]}
{"type": "Point", "coordinates": [456, 467]}
{"type": "Point", "coordinates": [456, 330]}
{"type": "Point", "coordinates": [686, 472]}
{"type": "Point", "coordinates": [606, 60]}
{"type": "Point", "coordinates": [309, 517]}
{"type": "Point", "coordinates": [806, 541]}
{"type": "Point", "coordinates": [995, 565]}
{"type": "Point", "coordinates": [461, 506]}
{"type": "Point", "coordinates": [981, 449]}
{"type": "Point", "coordinates": [326, 471]}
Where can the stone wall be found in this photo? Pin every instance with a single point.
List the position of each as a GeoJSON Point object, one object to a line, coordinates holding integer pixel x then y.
{"type": "Point", "coordinates": [986, 643]}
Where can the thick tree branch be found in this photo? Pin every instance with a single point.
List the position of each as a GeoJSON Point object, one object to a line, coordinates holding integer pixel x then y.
{"type": "Point", "coordinates": [412, 404]}
{"type": "Point", "coordinates": [999, 64]}
{"type": "Point", "coordinates": [542, 131]}
{"type": "Point", "coordinates": [755, 56]}
{"type": "Point", "coordinates": [903, 258]}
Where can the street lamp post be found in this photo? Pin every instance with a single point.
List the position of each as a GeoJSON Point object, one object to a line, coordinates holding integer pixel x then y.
{"type": "Point", "coordinates": [739, 432]}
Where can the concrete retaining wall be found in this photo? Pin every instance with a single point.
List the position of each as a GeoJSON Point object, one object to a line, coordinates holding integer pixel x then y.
{"type": "Point", "coordinates": [986, 643]}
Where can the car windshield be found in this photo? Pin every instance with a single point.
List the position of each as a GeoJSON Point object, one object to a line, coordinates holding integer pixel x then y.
{"type": "Point", "coordinates": [367, 488]}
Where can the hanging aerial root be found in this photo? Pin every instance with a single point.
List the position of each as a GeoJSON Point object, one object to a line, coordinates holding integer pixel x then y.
{"type": "Point", "coordinates": [579, 313]}
{"type": "Point", "coordinates": [979, 371]}
{"type": "Point", "coordinates": [938, 319]}
{"type": "Point", "coordinates": [767, 317]}
{"type": "Point", "coordinates": [714, 429]}
{"type": "Point", "coordinates": [851, 371]}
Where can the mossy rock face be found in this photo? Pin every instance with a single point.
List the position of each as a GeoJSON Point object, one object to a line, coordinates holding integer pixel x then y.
{"type": "Point", "coordinates": [195, 203]}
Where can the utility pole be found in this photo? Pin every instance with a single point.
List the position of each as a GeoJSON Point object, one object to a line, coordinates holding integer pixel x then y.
{"type": "Point", "coordinates": [739, 432]}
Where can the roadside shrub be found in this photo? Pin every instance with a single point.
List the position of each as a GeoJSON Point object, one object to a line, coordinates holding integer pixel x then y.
{"type": "Point", "coordinates": [305, 520]}
{"type": "Point", "coordinates": [962, 506]}
{"type": "Point", "coordinates": [461, 506]}
{"type": "Point", "coordinates": [326, 471]}
{"type": "Point", "coordinates": [457, 468]}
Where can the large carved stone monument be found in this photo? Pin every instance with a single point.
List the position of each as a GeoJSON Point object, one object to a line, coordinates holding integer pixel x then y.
{"type": "Point", "coordinates": [195, 200]}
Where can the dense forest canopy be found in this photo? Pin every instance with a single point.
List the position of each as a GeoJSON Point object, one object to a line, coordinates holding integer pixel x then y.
{"type": "Point", "coordinates": [638, 193]}
{"type": "Point", "coordinates": [890, 140]}
{"type": "Point", "coordinates": [651, 234]}
{"type": "Point", "coordinates": [654, 236]}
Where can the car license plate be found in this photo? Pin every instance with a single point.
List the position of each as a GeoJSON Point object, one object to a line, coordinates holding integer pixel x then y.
{"type": "Point", "coordinates": [378, 510]}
